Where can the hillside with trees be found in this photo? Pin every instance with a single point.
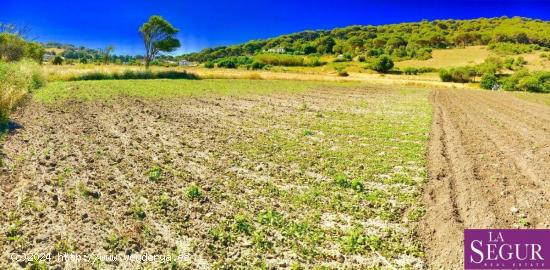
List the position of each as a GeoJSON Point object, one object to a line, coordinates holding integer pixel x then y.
{"type": "Point", "coordinates": [399, 41]}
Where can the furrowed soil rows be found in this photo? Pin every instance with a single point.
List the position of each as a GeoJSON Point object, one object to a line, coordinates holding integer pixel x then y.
{"type": "Point", "coordinates": [489, 167]}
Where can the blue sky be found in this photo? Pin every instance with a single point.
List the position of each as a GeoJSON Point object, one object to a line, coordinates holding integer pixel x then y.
{"type": "Point", "coordinates": [206, 23]}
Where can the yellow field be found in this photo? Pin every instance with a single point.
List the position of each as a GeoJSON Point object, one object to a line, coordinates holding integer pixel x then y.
{"type": "Point", "coordinates": [57, 73]}
{"type": "Point", "coordinates": [473, 55]}
{"type": "Point", "coordinates": [451, 58]}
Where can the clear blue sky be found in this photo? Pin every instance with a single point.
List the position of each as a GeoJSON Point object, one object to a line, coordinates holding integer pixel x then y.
{"type": "Point", "coordinates": [207, 23]}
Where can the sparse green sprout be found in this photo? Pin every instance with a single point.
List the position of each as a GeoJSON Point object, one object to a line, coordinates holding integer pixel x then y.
{"type": "Point", "coordinates": [342, 181]}
{"type": "Point", "coordinates": [194, 192]}
{"type": "Point", "coordinates": [354, 242]}
{"type": "Point", "coordinates": [155, 174]}
{"type": "Point", "coordinates": [357, 185]}
{"type": "Point", "coordinates": [308, 133]}
{"type": "Point", "coordinates": [296, 266]}
{"type": "Point", "coordinates": [63, 246]}
{"type": "Point", "coordinates": [37, 264]}
{"type": "Point", "coordinates": [261, 240]}
{"type": "Point", "coordinates": [115, 242]}
{"type": "Point", "coordinates": [139, 211]}
{"type": "Point", "coordinates": [271, 217]}
{"type": "Point", "coordinates": [165, 200]}
{"type": "Point", "coordinates": [242, 225]}
{"type": "Point", "coordinates": [12, 233]}
{"type": "Point", "coordinates": [416, 214]}
{"type": "Point", "coordinates": [524, 222]}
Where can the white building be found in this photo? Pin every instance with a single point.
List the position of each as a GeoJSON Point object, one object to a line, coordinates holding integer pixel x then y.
{"type": "Point", "coordinates": [277, 50]}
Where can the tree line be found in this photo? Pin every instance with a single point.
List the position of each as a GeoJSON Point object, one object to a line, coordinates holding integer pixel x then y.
{"type": "Point", "coordinates": [399, 41]}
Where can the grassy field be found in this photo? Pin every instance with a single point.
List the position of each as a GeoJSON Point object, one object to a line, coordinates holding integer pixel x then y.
{"type": "Point", "coordinates": [540, 98]}
{"type": "Point", "coordinates": [107, 90]}
{"type": "Point", "coordinates": [451, 58]}
{"type": "Point", "coordinates": [226, 173]}
{"type": "Point", "coordinates": [472, 55]}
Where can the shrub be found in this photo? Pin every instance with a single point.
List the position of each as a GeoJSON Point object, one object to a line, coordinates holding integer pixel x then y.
{"type": "Point", "coordinates": [18, 79]}
{"type": "Point", "coordinates": [194, 192]}
{"type": "Point", "coordinates": [312, 61]}
{"type": "Point", "coordinates": [536, 82]}
{"type": "Point", "coordinates": [343, 73]}
{"type": "Point", "coordinates": [209, 64]}
{"type": "Point", "coordinates": [522, 80]}
{"type": "Point", "coordinates": [227, 63]}
{"type": "Point", "coordinates": [488, 81]}
{"type": "Point", "coordinates": [133, 75]}
{"type": "Point", "coordinates": [57, 60]}
{"type": "Point", "coordinates": [257, 65]}
{"type": "Point", "coordinates": [280, 59]}
{"type": "Point", "coordinates": [15, 48]}
{"type": "Point", "coordinates": [459, 74]}
{"type": "Point", "coordinates": [382, 64]}
{"type": "Point", "coordinates": [462, 74]}
{"type": "Point", "coordinates": [505, 48]}
{"type": "Point", "coordinates": [361, 58]}
{"type": "Point", "coordinates": [445, 75]}
{"type": "Point", "coordinates": [410, 71]}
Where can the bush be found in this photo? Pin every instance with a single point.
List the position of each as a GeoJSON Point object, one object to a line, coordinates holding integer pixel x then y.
{"type": "Point", "coordinates": [280, 59]}
{"type": "Point", "coordinates": [536, 82]}
{"type": "Point", "coordinates": [227, 63]}
{"type": "Point", "coordinates": [15, 48]}
{"type": "Point", "coordinates": [343, 73]}
{"type": "Point", "coordinates": [257, 65]}
{"type": "Point", "coordinates": [488, 81]}
{"type": "Point", "coordinates": [530, 82]}
{"type": "Point", "coordinates": [382, 64]}
{"type": "Point", "coordinates": [134, 75]}
{"type": "Point", "coordinates": [313, 61]}
{"type": "Point", "coordinates": [57, 60]}
{"type": "Point", "coordinates": [505, 48]}
{"type": "Point", "coordinates": [462, 74]}
{"type": "Point", "coordinates": [415, 71]}
{"type": "Point", "coordinates": [445, 75]}
{"type": "Point", "coordinates": [234, 61]}
{"type": "Point", "coordinates": [459, 74]}
{"type": "Point", "coordinates": [18, 79]}
{"type": "Point", "coordinates": [209, 64]}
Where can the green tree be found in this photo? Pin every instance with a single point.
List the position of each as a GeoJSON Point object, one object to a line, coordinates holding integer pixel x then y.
{"type": "Point", "coordinates": [382, 64]}
{"type": "Point", "coordinates": [158, 36]}
{"type": "Point", "coordinates": [488, 81]}
{"type": "Point", "coordinates": [107, 53]}
{"type": "Point", "coordinates": [325, 45]}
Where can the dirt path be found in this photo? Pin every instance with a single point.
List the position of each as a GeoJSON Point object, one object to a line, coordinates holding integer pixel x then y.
{"type": "Point", "coordinates": [489, 168]}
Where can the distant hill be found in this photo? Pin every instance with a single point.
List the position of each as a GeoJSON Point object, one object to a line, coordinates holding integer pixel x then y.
{"type": "Point", "coordinates": [401, 41]}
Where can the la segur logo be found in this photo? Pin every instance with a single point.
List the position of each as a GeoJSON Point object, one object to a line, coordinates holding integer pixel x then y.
{"type": "Point", "coordinates": [506, 249]}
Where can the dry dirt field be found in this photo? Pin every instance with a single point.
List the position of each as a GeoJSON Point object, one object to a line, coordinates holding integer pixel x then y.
{"type": "Point", "coordinates": [268, 174]}
{"type": "Point", "coordinates": [328, 176]}
{"type": "Point", "coordinates": [489, 167]}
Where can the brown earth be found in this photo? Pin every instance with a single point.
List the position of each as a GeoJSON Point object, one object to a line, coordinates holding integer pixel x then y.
{"type": "Point", "coordinates": [75, 176]}
{"type": "Point", "coordinates": [489, 167]}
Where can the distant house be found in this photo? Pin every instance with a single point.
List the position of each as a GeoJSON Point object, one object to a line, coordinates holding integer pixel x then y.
{"type": "Point", "coordinates": [277, 50]}
{"type": "Point", "coordinates": [184, 63]}
{"type": "Point", "coordinates": [47, 57]}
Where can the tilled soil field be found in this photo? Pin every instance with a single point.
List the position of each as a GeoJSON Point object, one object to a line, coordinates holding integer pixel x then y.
{"type": "Point", "coordinates": [489, 167]}
{"type": "Point", "coordinates": [319, 178]}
